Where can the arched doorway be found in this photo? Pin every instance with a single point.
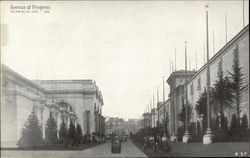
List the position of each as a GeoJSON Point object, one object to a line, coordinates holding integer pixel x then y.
{"type": "Point", "coordinates": [67, 112]}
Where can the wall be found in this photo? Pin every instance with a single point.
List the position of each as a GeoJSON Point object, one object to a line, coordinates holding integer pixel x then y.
{"type": "Point", "coordinates": [8, 118]}
{"type": "Point", "coordinates": [20, 95]}
{"type": "Point", "coordinates": [226, 57]}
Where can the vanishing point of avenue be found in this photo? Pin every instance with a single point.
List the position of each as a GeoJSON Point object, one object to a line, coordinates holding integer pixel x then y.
{"type": "Point", "coordinates": [198, 108]}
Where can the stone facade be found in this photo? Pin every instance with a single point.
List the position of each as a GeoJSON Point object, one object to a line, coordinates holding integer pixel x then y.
{"type": "Point", "coordinates": [79, 101]}
{"type": "Point", "coordinates": [164, 113]}
{"type": "Point", "coordinates": [133, 125]}
{"type": "Point", "coordinates": [153, 117]}
{"type": "Point", "coordinates": [147, 119]}
{"type": "Point", "coordinates": [223, 60]}
{"type": "Point", "coordinates": [114, 125]}
{"type": "Point", "coordinates": [176, 81]}
{"type": "Point", "coordinates": [196, 83]}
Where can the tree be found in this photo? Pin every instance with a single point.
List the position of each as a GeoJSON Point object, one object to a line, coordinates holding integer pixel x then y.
{"type": "Point", "coordinates": [222, 132]}
{"type": "Point", "coordinates": [79, 134]}
{"type": "Point", "coordinates": [180, 132]}
{"type": "Point", "coordinates": [165, 122]}
{"type": "Point", "coordinates": [237, 81]}
{"type": "Point", "coordinates": [201, 109]}
{"type": "Point", "coordinates": [194, 130]}
{"type": "Point", "coordinates": [51, 130]}
{"type": "Point", "coordinates": [234, 129]}
{"type": "Point", "coordinates": [243, 128]}
{"type": "Point", "coordinates": [222, 94]}
{"type": "Point", "coordinates": [182, 115]}
{"type": "Point", "coordinates": [63, 134]}
{"type": "Point", "coordinates": [215, 125]}
{"type": "Point", "coordinates": [31, 133]}
{"type": "Point", "coordinates": [72, 133]}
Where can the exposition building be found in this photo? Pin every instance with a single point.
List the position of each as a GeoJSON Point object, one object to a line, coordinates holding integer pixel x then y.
{"type": "Point", "coordinates": [79, 101]}
{"type": "Point", "coordinates": [196, 84]}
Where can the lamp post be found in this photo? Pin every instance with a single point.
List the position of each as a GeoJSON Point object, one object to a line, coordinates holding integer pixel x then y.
{"type": "Point", "coordinates": [208, 137]}
{"type": "Point", "coordinates": [153, 111]}
{"type": "Point", "coordinates": [164, 138]}
{"type": "Point", "coordinates": [186, 137]}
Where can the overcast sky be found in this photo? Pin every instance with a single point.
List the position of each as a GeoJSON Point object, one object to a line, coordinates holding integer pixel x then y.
{"type": "Point", "coordinates": [124, 46]}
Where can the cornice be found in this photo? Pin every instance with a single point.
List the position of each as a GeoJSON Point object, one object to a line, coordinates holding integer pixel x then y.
{"type": "Point", "coordinates": [8, 73]}
{"type": "Point", "coordinates": [244, 32]}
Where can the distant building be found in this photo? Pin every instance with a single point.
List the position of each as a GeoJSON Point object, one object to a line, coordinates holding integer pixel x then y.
{"type": "Point", "coordinates": [164, 114]}
{"type": "Point", "coordinates": [153, 117]}
{"type": "Point", "coordinates": [176, 81]}
{"type": "Point", "coordinates": [79, 101]}
{"type": "Point", "coordinates": [196, 83]}
{"type": "Point", "coordinates": [133, 125]}
{"type": "Point", "coordinates": [160, 112]}
{"type": "Point", "coordinates": [147, 119]}
{"type": "Point", "coordinates": [114, 125]}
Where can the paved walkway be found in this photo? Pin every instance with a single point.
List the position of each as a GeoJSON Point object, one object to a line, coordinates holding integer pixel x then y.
{"type": "Point", "coordinates": [227, 149]}
{"type": "Point", "coordinates": [104, 150]}
{"type": "Point", "coordinates": [128, 150]}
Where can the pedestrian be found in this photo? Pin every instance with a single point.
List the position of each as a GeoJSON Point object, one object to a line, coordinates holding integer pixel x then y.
{"type": "Point", "coordinates": [144, 142]}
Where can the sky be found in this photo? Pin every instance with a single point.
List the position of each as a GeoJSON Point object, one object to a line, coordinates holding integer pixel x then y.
{"type": "Point", "coordinates": [125, 46]}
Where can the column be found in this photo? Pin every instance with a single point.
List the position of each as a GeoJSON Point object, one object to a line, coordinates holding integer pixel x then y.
{"type": "Point", "coordinates": [103, 125]}
{"type": "Point", "coordinates": [72, 117]}
{"type": "Point", "coordinates": [63, 115]}
{"type": "Point", "coordinates": [87, 122]}
{"type": "Point", "coordinates": [58, 121]}
{"type": "Point", "coordinates": [99, 123]}
{"type": "Point", "coordinates": [96, 121]}
{"type": "Point", "coordinates": [67, 119]}
{"type": "Point", "coordinates": [42, 121]}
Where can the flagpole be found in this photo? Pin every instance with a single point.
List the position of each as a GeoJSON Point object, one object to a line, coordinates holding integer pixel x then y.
{"type": "Point", "coordinates": [243, 10]}
{"type": "Point", "coordinates": [213, 44]}
{"type": "Point", "coordinates": [163, 90]}
{"type": "Point", "coordinates": [207, 139]}
{"type": "Point", "coordinates": [154, 110]}
{"type": "Point", "coordinates": [151, 113]}
{"type": "Point", "coordinates": [148, 115]}
{"type": "Point", "coordinates": [186, 137]}
{"type": "Point", "coordinates": [164, 137]}
{"type": "Point", "coordinates": [189, 64]}
{"type": "Point", "coordinates": [170, 65]}
{"type": "Point", "coordinates": [148, 108]}
{"type": "Point", "coordinates": [186, 85]}
{"type": "Point", "coordinates": [175, 58]}
{"type": "Point", "coordinates": [226, 26]}
{"type": "Point", "coordinates": [158, 106]}
{"type": "Point", "coordinates": [195, 59]}
{"type": "Point", "coordinates": [204, 52]}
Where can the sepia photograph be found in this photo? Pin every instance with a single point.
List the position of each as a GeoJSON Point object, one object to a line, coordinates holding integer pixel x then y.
{"type": "Point", "coordinates": [124, 78]}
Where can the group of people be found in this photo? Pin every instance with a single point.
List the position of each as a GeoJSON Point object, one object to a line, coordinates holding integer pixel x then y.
{"type": "Point", "coordinates": [93, 138]}
{"type": "Point", "coordinates": [154, 142]}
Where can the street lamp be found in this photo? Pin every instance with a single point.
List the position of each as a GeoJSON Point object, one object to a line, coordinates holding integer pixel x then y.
{"type": "Point", "coordinates": [208, 137]}
{"type": "Point", "coordinates": [186, 137]}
